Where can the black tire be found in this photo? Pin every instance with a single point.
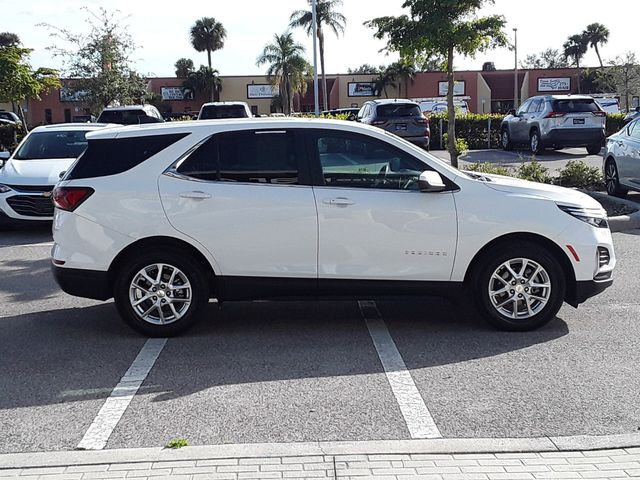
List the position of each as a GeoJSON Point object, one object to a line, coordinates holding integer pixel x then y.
{"type": "Point", "coordinates": [483, 280]}
{"type": "Point", "coordinates": [612, 180]}
{"type": "Point", "coordinates": [594, 149]}
{"type": "Point", "coordinates": [505, 139]}
{"type": "Point", "coordinates": [190, 269]}
{"type": "Point", "coordinates": [535, 145]}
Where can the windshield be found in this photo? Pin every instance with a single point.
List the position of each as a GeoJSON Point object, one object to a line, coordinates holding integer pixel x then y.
{"type": "Point", "coordinates": [45, 145]}
{"type": "Point", "coordinates": [234, 111]}
{"type": "Point", "coordinates": [399, 110]}
{"type": "Point", "coordinates": [123, 117]}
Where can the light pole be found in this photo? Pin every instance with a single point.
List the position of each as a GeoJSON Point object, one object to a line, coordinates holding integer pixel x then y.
{"type": "Point", "coordinates": [315, 58]}
{"type": "Point", "coordinates": [515, 69]}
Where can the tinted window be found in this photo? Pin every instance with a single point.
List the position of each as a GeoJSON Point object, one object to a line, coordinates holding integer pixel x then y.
{"type": "Point", "coordinates": [534, 106]}
{"type": "Point", "coordinates": [254, 157]}
{"type": "Point", "coordinates": [362, 162]}
{"type": "Point", "coordinates": [227, 111]}
{"type": "Point", "coordinates": [123, 117]}
{"type": "Point", "coordinates": [116, 155]}
{"type": "Point", "coordinates": [41, 145]}
{"type": "Point", "coordinates": [634, 130]}
{"type": "Point", "coordinates": [399, 110]}
{"type": "Point", "coordinates": [575, 105]}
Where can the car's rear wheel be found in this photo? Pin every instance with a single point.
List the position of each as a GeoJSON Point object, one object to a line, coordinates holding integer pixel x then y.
{"type": "Point", "coordinates": [518, 287]}
{"type": "Point", "coordinates": [612, 180]}
{"type": "Point", "coordinates": [594, 149]}
{"type": "Point", "coordinates": [506, 139]}
{"type": "Point", "coordinates": [534, 142]}
{"type": "Point", "coordinates": [161, 293]}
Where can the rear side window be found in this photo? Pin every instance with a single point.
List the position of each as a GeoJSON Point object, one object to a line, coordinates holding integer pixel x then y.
{"type": "Point", "coordinates": [231, 111]}
{"type": "Point", "coordinates": [575, 106]}
{"type": "Point", "coordinates": [123, 117]}
{"type": "Point", "coordinates": [116, 155]}
{"type": "Point", "coordinates": [399, 110]}
{"type": "Point", "coordinates": [249, 157]}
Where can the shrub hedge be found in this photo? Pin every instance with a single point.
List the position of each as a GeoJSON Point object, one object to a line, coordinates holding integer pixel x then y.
{"type": "Point", "coordinates": [10, 136]}
{"type": "Point", "coordinates": [482, 131]}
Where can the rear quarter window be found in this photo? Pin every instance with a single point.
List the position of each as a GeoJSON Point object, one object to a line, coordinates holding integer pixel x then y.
{"type": "Point", "coordinates": [104, 157]}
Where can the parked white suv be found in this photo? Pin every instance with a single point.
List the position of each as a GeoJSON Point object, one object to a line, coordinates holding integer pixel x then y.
{"type": "Point", "coordinates": [165, 217]}
{"type": "Point", "coordinates": [28, 176]}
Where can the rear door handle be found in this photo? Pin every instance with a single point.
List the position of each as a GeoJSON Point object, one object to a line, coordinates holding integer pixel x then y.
{"type": "Point", "coordinates": [196, 195]}
{"type": "Point", "coordinates": [338, 201]}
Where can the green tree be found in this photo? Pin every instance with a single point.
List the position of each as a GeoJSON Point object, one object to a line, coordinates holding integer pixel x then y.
{"type": "Point", "coordinates": [207, 34]}
{"type": "Point", "coordinates": [446, 28]}
{"type": "Point", "coordinates": [365, 69]}
{"type": "Point", "coordinates": [596, 34]}
{"type": "Point", "coordinates": [405, 72]}
{"type": "Point", "coordinates": [549, 58]}
{"type": "Point", "coordinates": [100, 61]}
{"type": "Point", "coordinates": [184, 66]}
{"type": "Point", "coordinates": [19, 82]}
{"type": "Point", "coordinates": [575, 48]}
{"type": "Point", "coordinates": [287, 67]}
{"type": "Point", "coordinates": [205, 80]}
{"type": "Point", "coordinates": [326, 14]}
{"type": "Point", "coordinates": [387, 78]}
{"type": "Point", "coordinates": [8, 39]}
{"type": "Point", "coordinates": [622, 76]}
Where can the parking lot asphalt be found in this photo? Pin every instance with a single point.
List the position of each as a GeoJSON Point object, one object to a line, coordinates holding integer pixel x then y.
{"type": "Point", "coordinates": [309, 371]}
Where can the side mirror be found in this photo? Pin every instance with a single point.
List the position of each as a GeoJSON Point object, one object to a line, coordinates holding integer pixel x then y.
{"type": "Point", "coordinates": [431, 182]}
{"type": "Point", "coordinates": [4, 156]}
{"type": "Point", "coordinates": [62, 174]}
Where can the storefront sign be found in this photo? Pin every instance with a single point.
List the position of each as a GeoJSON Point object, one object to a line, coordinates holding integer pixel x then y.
{"type": "Point", "coordinates": [557, 84]}
{"type": "Point", "coordinates": [361, 89]}
{"type": "Point", "coordinates": [176, 93]}
{"type": "Point", "coordinates": [458, 88]}
{"type": "Point", "coordinates": [262, 91]}
{"type": "Point", "coordinates": [69, 95]}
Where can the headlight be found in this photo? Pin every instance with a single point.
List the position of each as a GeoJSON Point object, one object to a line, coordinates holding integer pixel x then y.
{"type": "Point", "coordinates": [4, 188]}
{"type": "Point", "coordinates": [593, 216]}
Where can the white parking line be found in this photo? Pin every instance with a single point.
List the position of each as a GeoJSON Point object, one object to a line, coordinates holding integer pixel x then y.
{"type": "Point", "coordinates": [416, 414]}
{"type": "Point", "coordinates": [114, 407]}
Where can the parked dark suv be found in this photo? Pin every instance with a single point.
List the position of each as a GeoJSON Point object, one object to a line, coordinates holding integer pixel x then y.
{"type": "Point", "coordinates": [402, 117]}
{"type": "Point", "coordinates": [555, 121]}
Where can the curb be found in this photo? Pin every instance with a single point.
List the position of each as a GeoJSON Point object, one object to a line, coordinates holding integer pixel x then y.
{"type": "Point", "coordinates": [620, 223]}
{"type": "Point", "coordinates": [260, 450]}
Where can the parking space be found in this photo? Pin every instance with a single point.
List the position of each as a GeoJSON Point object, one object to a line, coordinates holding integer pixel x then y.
{"type": "Point", "coordinates": [309, 371]}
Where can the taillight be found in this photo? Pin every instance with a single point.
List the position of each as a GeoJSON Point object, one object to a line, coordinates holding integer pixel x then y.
{"type": "Point", "coordinates": [555, 114]}
{"type": "Point", "coordinates": [600, 114]}
{"type": "Point", "coordinates": [378, 122]}
{"type": "Point", "coordinates": [70, 198]}
{"type": "Point", "coordinates": [422, 121]}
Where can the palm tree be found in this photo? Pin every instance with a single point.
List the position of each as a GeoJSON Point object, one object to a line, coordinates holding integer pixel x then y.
{"type": "Point", "coordinates": [385, 79]}
{"type": "Point", "coordinates": [575, 48]}
{"type": "Point", "coordinates": [208, 35]}
{"type": "Point", "coordinates": [204, 80]}
{"type": "Point", "coordinates": [184, 66]}
{"type": "Point", "coordinates": [325, 15]}
{"type": "Point", "coordinates": [596, 34]}
{"type": "Point", "coordinates": [287, 67]}
{"type": "Point", "coordinates": [404, 72]}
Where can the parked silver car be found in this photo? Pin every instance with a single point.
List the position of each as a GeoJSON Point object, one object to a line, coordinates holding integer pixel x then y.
{"type": "Point", "coordinates": [622, 160]}
{"type": "Point", "coordinates": [555, 121]}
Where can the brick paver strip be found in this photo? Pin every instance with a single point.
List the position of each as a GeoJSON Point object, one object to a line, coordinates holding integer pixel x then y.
{"type": "Point", "coordinates": [463, 459]}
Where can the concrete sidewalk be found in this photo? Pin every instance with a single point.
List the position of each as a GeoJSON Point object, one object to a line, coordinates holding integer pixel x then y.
{"type": "Point", "coordinates": [442, 459]}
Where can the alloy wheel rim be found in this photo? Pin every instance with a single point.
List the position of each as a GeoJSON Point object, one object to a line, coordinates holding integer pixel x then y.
{"type": "Point", "coordinates": [505, 139]}
{"type": "Point", "coordinates": [611, 177]}
{"type": "Point", "coordinates": [534, 142]}
{"type": "Point", "coordinates": [160, 294]}
{"type": "Point", "coordinates": [519, 288]}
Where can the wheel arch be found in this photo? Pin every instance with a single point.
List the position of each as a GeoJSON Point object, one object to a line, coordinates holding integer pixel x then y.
{"type": "Point", "coordinates": [550, 245]}
{"type": "Point", "coordinates": [161, 242]}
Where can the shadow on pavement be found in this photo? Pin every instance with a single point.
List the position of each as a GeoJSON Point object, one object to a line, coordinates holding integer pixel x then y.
{"type": "Point", "coordinates": [20, 234]}
{"type": "Point", "coordinates": [26, 280]}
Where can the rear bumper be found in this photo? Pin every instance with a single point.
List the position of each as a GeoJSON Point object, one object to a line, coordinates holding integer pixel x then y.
{"type": "Point", "coordinates": [83, 283]}
{"type": "Point", "coordinates": [419, 141]}
{"type": "Point", "coordinates": [573, 137]}
{"type": "Point", "coordinates": [585, 290]}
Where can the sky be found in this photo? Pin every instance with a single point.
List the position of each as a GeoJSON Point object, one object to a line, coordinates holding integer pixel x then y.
{"type": "Point", "coordinates": [160, 30]}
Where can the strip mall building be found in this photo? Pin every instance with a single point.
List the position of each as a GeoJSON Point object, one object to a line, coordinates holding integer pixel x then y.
{"type": "Point", "coordinates": [484, 91]}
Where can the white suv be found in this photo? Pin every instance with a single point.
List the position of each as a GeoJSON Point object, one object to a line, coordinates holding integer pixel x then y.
{"type": "Point", "coordinates": [163, 218]}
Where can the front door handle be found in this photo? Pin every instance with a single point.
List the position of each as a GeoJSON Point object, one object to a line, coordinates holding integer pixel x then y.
{"type": "Point", "coordinates": [196, 195]}
{"type": "Point", "coordinates": [338, 201]}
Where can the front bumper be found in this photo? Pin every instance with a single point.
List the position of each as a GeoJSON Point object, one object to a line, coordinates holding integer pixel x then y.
{"type": "Point", "coordinates": [33, 203]}
{"type": "Point", "coordinates": [92, 284]}
{"type": "Point", "coordinates": [573, 137]}
{"type": "Point", "coordinates": [585, 290]}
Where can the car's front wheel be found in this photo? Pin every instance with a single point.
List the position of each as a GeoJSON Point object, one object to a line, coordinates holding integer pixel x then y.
{"type": "Point", "coordinates": [612, 180]}
{"type": "Point", "coordinates": [161, 293]}
{"type": "Point", "coordinates": [534, 142]}
{"type": "Point", "coordinates": [519, 287]}
{"type": "Point", "coordinates": [506, 140]}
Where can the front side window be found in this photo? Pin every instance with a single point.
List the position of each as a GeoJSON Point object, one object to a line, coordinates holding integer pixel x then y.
{"type": "Point", "coordinates": [356, 161]}
{"type": "Point", "coordinates": [248, 157]}
{"type": "Point", "coordinates": [524, 107]}
{"type": "Point", "coordinates": [43, 145]}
